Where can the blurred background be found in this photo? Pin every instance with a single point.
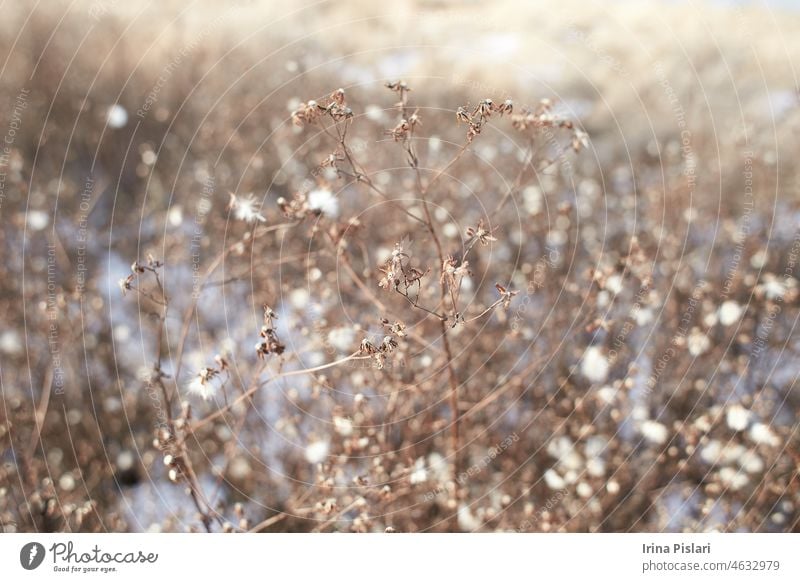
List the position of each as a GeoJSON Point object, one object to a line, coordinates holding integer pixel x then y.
{"type": "Point", "coordinates": [644, 377]}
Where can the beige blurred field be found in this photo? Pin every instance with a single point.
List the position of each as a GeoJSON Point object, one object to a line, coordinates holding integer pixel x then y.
{"type": "Point", "coordinates": [642, 375]}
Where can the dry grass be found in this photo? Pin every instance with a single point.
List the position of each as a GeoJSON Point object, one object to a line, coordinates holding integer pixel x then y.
{"type": "Point", "coordinates": [570, 308]}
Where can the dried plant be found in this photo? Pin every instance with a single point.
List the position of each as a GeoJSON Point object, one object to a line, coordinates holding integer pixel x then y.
{"type": "Point", "coordinates": [404, 305]}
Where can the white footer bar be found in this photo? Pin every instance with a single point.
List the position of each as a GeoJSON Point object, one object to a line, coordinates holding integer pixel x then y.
{"type": "Point", "coordinates": [389, 557]}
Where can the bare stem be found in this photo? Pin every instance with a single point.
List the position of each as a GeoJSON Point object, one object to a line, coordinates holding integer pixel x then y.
{"type": "Point", "coordinates": [451, 373]}
{"type": "Point", "coordinates": [195, 492]}
{"type": "Point", "coordinates": [258, 385]}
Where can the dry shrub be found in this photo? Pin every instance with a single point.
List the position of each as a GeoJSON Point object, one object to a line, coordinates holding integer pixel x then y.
{"type": "Point", "coordinates": [460, 302]}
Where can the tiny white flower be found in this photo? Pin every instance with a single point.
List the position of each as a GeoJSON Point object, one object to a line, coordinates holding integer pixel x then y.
{"type": "Point", "coordinates": [572, 460]}
{"type": "Point", "coordinates": [712, 452]}
{"type": "Point", "coordinates": [125, 461]}
{"type": "Point", "coordinates": [560, 447]}
{"type": "Point", "coordinates": [733, 478]}
{"type": "Point", "coordinates": [149, 157]}
{"type": "Point", "coordinates": [702, 423]}
{"type": "Point", "coordinates": [244, 208]}
{"type": "Point", "coordinates": [532, 200]}
{"type": "Point", "coordinates": [607, 394]}
{"type": "Point", "coordinates": [737, 417]}
{"type": "Point", "coordinates": [467, 520]}
{"type": "Point", "coordinates": [316, 452]}
{"type": "Point", "coordinates": [640, 412]}
{"type": "Point", "coordinates": [731, 453]}
{"type": "Point", "coordinates": [557, 238]}
{"type": "Point", "coordinates": [584, 489]}
{"type": "Point", "coordinates": [644, 316]}
{"type": "Point", "coordinates": [554, 480]}
{"type": "Point", "coordinates": [563, 449]}
{"type": "Point", "coordinates": [67, 482]}
{"type": "Point", "coordinates": [38, 220]}
{"type": "Point", "coordinates": [175, 215]}
{"type": "Point", "coordinates": [240, 468]}
{"type": "Point", "coordinates": [729, 313]}
{"type": "Point", "coordinates": [116, 116]}
{"type": "Point", "coordinates": [324, 201]}
{"type": "Point", "coordinates": [121, 333]}
{"type": "Point", "coordinates": [751, 462]}
{"type": "Point", "coordinates": [595, 446]}
{"type": "Point", "coordinates": [595, 365]}
{"type": "Point", "coordinates": [299, 298]}
{"type": "Point", "coordinates": [344, 426]}
{"type": "Point", "coordinates": [419, 474]}
{"type": "Point", "coordinates": [596, 467]}
{"type": "Point", "coordinates": [774, 289]}
{"type": "Point", "coordinates": [762, 434]}
{"type": "Point", "coordinates": [204, 384]}
{"type": "Point", "coordinates": [614, 284]}
{"type": "Point", "coordinates": [698, 342]}
{"type": "Point", "coordinates": [759, 259]}
{"type": "Point", "coordinates": [439, 466]}
{"type": "Point", "coordinates": [655, 432]}
{"type": "Point", "coordinates": [10, 343]}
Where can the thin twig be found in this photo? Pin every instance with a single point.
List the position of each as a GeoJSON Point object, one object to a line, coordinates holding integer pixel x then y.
{"type": "Point", "coordinates": [253, 389]}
